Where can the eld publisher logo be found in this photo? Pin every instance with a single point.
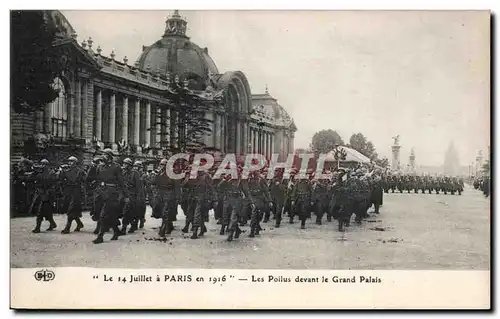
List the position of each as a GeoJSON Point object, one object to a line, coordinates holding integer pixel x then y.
{"type": "Point", "coordinates": [44, 275]}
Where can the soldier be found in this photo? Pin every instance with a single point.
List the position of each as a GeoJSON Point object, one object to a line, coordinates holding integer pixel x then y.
{"type": "Point", "coordinates": [97, 194]}
{"type": "Point", "coordinates": [377, 194]}
{"type": "Point", "coordinates": [301, 199]}
{"type": "Point", "coordinates": [110, 176]}
{"type": "Point", "coordinates": [343, 198]}
{"type": "Point", "coordinates": [220, 195]}
{"type": "Point", "coordinates": [43, 199]}
{"type": "Point", "coordinates": [235, 190]}
{"type": "Point", "coordinates": [278, 190]}
{"type": "Point", "coordinates": [167, 195]}
{"type": "Point", "coordinates": [24, 187]}
{"type": "Point", "coordinates": [202, 195]}
{"type": "Point", "coordinates": [72, 178]}
{"type": "Point", "coordinates": [319, 198]}
{"type": "Point", "coordinates": [132, 180]}
{"type": "Point", "coordinates": [361, 196]}
{"type": "Point", "coordinates": [258, 200]}
{"type": "Point", "coordinates": [141, 197]}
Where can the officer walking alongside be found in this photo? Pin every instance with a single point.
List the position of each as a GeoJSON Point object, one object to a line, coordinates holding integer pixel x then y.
{"type": "Point", "coordinates": [43, 199]}
{"type": "Point", "coordinates": [133, 185]}
{"type": "Point", "coordinates": [72, 179]}
{"type": "Point", "coordinates": [113, 187]}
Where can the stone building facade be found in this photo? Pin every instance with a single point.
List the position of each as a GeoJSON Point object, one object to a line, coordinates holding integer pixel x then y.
{"type": "Point", "coordinates": [105, 102]}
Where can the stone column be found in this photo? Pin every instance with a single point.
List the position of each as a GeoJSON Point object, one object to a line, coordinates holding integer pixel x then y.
{"type": "Point", "coordinates": [83, 114]}
{"type": "Point", "coordinates": [137, 125]}
{"type": "Point", "coordinates": [174, 129]}
{"type": "Point", "coordinates": [271, 144]}
{"type": "Point", "coordinates": [98, 116]}
{"type": "Point", "coordinates": [158, 120]}
{"type": "Point", "coordinates": [208, 139]}
{"type": "Point", "coordinates": [77, 129]}
{"type": "Point", "coordinates": [125, 119]}
{"type": "Point", "coordinates": [238, 137]}
{"type": "Point", "coordinates": [222, 132]}
{"type": "Point", "coordinates": [215, 128]}
{"type": "Point", "coordinates": [168, 126]}
{"type": "Point", "coordinates": [112, 120]}
{"type": "Point", "coordinates": [71, 112]}
{"type": "Point", "coordinates": [147, 127]}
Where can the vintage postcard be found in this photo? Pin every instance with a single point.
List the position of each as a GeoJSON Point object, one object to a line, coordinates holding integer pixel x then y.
{"type": "Point", "coordinates": [250, 159]}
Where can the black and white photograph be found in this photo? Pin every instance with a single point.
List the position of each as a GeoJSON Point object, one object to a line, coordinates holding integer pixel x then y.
{"type": "Point", "coordinates": [250, 140]}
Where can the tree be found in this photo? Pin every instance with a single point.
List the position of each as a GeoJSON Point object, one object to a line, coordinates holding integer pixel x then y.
{"type": "Point", "coordinates": [34, 64]}
{"type": "Point", "coordinates": [359, 142]}
{"type": "Point", "coordinates": [324, 141]}
{"type": "Point", "coordinates": [192, 124]}
{"type": "Point", "coordinates": [384, 162]}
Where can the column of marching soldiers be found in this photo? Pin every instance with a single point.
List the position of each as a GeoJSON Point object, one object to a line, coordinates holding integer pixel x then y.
{"type": "Point", "coordinates": [120, 194]}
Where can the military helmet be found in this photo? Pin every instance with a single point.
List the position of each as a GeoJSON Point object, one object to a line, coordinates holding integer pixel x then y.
{"type": "Point", "coordinates": [72, 159]}
{"type": "Point", "coordinates": [137, 163]}
{"type": "Point", "coordinates": [163, 161]}
{"type": "Point", "coordinates": [108, 151]}
{"type": "Point", "coordinates": [127, 161]}
{"type": "Point", "coordinates": [44, 161]}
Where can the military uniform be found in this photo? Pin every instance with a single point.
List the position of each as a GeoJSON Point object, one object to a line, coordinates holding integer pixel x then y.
{"type": "Point", "coordinates": [167, 194]}
{"type": "Point", "coordinates": [141, 196]}
{"type": "Point", "coordinates": [377, 194]}
{"type": "Point", "coordinates": [132, 180]}
{"type": "Point", "coordinates": [235, 191]}
{"type": "Point", "coordinates": [73, 179]}
{"type": "Point", "coordinates": [258, 200]}
{"type": "Point", "coordinates": [301, 199]}
{"type": "Point", "coordinates": [44, 196]}
{"type": "Point", "coordinates": [110, 176]}
{"type": "Point", "coordinates": [320, 199]}
{"type": "Point", "coordinates": [278, 190]}
{"type": "Point", "coordinates": [202, 196]}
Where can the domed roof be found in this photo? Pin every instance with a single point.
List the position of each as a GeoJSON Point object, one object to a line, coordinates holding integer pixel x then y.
{"type": "Point", "coordinates": [174, 53]}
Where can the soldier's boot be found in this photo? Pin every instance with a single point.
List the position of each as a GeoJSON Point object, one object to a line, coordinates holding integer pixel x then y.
{"type": "Point", "coordinates": [459, 193]}
{"type": "Point", "coordinates": [79, 224]}
{"type": "Point", "coordinates": [237, 233]}
{"type": "Point", "coordinates": [377, 207]}
{"type": "Point", "coordinates": [278, 222]}
{"type": "Point", "coordinates": [252, 232]}
{"type": "Point", "coordinates": [185, 230]}
{"type": "Point", "coordinates": [124, 228]}
{"type": "Point", "coordinates": [267, 215]}
{"type": "Point", "coordinates": [133, 226]}
{"type": "Point", "coordinates": [169, 228]}
{"type": "Point", "coordinates": [38, 225]}
{"type": "Point", "coordinates": [303, 224]}
{"type": "Point", "coordinates": [116, 233]}
{"type": "Point", "coordinates": [97, 228]}
{"type": "Point", "coordinates": [230, 234]}
{"type": "Point", "coordinates": [341, 224]}
{"type": "Point", "coordinates": [163, 229]}
{"type": "Point", "coordinates": [53, 224]}
{"type": "Point", "coordinates": [318, 219]}
{"type": "Point", "coordinates": [195, 233]}
{"type": "Point", "coordinates": [258, 228]}
{"type": "Point", "coordinates": [223, 230]}
{"type": "Point", "coordinates": [100, 236]}
{"type": "Point", "coordinates": [141, 223]}
{"type": "Point", "coordinates": [329, 218]}
{"type": "Point", "coordinates": [291, 219]}
{"type": "Point", "coordinates": [203, 229]}
{"type": "Point", "coordinates": [445, 192]}
{"type": "Point", "coordinates": [67, 228]}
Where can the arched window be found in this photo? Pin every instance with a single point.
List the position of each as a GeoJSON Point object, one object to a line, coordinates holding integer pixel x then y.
{"type": "Point", "coordinates": [59, 111]}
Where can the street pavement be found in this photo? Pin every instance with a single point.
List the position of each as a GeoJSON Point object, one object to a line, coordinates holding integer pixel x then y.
{"type": "Point", "coordinates": [413, 231]}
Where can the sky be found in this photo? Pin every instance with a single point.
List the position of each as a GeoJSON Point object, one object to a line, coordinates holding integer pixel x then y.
{"type": "Point", "coordinates": [419, 74]}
